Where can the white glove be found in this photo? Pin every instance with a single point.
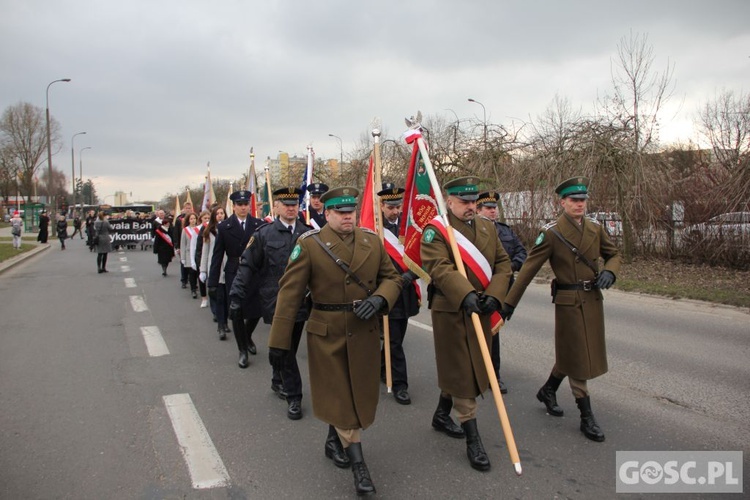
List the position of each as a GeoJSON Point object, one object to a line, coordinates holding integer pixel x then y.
{"type": "Point", "coordinates": [182, 262]}
{"type": "Point", "coordinates": [202, 277]}
{"type": "Point", "coordinates": [195, 268]}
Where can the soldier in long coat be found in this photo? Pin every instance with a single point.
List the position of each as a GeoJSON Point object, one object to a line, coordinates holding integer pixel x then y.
{"type": "Point", "coordinates": [343, 333]}
{"type": "Point", "coordinates": [580, 350]}
{"type": "Point", "coordinates": [462, 375]}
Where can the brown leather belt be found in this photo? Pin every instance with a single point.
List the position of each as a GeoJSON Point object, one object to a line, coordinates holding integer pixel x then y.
{"type": "Point", "coordinates": [348, 306]}
{"type": "Point", "coordinates": [586, 286]}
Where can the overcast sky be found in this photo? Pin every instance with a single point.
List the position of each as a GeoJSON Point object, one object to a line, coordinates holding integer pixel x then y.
{"type": "Point", "coordinates": [162, 86]}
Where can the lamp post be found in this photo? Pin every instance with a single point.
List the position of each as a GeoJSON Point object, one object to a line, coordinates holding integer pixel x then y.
{"type": "Point", "coordinates": [73, 165]}
{"type": "Point", "coordinates": [484, 120]}
{"type": "Point", "coordinates": [49, 144]}
{"type": "Point", "coordinates": [341, 158]}
{"type": "Point", "coordinates": [80, 170]}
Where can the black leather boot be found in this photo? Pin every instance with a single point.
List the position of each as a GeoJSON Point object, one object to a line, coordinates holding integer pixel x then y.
{"type": "Point", "coordinates": [547, 395]}
{"type": "Point", "coordinates": [474, 448]}
{"type": "Point", "coordinates": [362, 482]}
{"type": "Point", "coordinates": [241, 337]}
{"type": "Point", "coordinates": [589, 427]}
{"type": "Point", "coordinates": [442, 421]}
{"type": "Point", "coordinates": [222, 333]}
{"type": "Point", "coordinates": [335, 451]}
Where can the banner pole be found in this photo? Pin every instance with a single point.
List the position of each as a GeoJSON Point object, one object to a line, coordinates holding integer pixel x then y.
{"type": "Point", "coordinates": [500, 405]}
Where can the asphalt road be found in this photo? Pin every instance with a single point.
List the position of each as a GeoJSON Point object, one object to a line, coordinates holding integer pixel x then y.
{"type": "Point", "coordinates": [83, 411]}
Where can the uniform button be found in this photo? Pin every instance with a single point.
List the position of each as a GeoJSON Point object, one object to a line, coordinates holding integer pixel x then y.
{"type": "Point", "coordinates": [349, 334]}
{"type": "Point", "coordinates": [347, 282]}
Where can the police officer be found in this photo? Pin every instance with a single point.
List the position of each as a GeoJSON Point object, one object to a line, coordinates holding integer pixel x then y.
{"type": "Point", "coordinates": [407, 305]}
{"type": "Point", "coordinates": [231, 239]}
{"type": "Point", "coordinates": [462, 375]}
{"type": "Point", "coordinates": [317, 213]}
{"type": "Point", "coordinates": [487, 207]}
{"type": "Point", "coordinates": [351, 280]}
{"type": "Point", "coordinates": [573, 244]}
{"type": "Point", "coordinates": [261, 266]}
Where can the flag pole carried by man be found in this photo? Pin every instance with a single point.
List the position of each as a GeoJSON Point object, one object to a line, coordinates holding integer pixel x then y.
{"type": "Point", "coordinates": [475, 451]}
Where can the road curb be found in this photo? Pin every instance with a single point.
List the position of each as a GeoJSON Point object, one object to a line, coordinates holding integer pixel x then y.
{"type": "Point", "coordinates": [13, 261]}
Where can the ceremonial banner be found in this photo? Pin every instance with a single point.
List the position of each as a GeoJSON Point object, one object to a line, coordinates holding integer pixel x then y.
{"type": "Point", "coordinates": [207, 192]}
{"type": "Point", "coordinates": [252, 186]}
{"type": "Point", "coordinates": [367, 212]}
{"type": "Point", "coordinates": [129, 231]}
{"type": "Point", "coordinates": [420, 206]}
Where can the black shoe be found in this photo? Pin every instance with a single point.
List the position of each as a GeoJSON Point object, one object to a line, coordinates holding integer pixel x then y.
{"type": "Point", "coordinates": [279, 390]}
{"type": "Point", "coordinates": [164, 273]}
{"type": "Point", "coordinates": [294, 411]}
{"type": "Point", "coordinates": [243, 362]}
{"type": "Point", "coordinates": [503, 387]}
{"type": "Point", "coordinates": [474, 448]}
{"type": "Point", "coordinates": [335, 451]}
{"type": "Point", "coordinates": [222, 334]}
{"type": "Point", "coordinates": [215, 319]}
{"type": "Point", "coordinates": [548, 395]}
{"type": "Point", "coordinates": [442, 421]}
{"type": "Point", "coordinates": [104, 271]}
{"type": "Point", "coordinates": [100, 271]}
{"type": "Point", "coordinates": [362, 482]}
{"type": "Point", "coordinates": [194, 294]}
{"type": "Point", "coordinates": [402, 396]}
{"type": "Point", "coordinates": [226, 328]}
{"type": "Point", "coordinates": [251, 347]}
{"type": "Point", "coordinates": [589, 427]}
{"type": "Point", "coordinates": [184, 285]}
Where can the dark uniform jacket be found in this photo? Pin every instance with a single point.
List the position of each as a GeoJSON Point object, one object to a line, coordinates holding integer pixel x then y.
{"type": "Point", "coordinates": [263, 264]}
{"type": "Point", "coordinates": [407, 304]}
{"type": "Point", "coordinates": [232, 240]}
{"type": "Point", "coordinates": [512, 245]}
{"type": "Point", "coordinates": [461, 369]}
{"type": "Point", "coordinates": [580, 350]}
{"type": "Point", "coordinates": [343, 350]}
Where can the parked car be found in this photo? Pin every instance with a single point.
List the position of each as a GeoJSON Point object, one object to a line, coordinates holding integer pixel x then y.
{"type": "Point", "coordinates": [732, 226]}
{"type": "Point", "coordinates": [611, 221]}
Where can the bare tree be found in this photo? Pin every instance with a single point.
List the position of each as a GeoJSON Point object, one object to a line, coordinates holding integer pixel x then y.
{"type": "Point", "coordinates": [24, 132]}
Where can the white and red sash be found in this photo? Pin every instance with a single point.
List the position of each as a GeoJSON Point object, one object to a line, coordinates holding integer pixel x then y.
{"type": "Point", "coordinates": [473, 259]}
{"type": "Point", "coordinates": [395, 251]}
{"type": "Point", "coordinates": [164, 236]}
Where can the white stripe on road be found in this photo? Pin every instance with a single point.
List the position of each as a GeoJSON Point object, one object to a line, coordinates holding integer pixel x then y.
{"type": "Point", "coordinates": [139, 305]}
{"type": "Point", "coordinates": [154, 341]}
{"type": "Point", "coordinates": [129, 282]}
{"type": "Point", "coordinates": [125, 269]}
{"type": "Point", "coordinates": [123, 259]}
{"type": "Point", "coordinates": [203, 461]}
{"type": "Point", "coordinates": [423, 326]}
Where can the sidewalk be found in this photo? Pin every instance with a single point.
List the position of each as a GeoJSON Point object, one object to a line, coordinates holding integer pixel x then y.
{"type": "Point", "coordinates": [8, 263]}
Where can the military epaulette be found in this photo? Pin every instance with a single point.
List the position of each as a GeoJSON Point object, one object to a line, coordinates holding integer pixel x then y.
{"type": "Point", "coordinates": [484, 217]}
{"type": "Point", "coordinates": [594, 220]}
{"type": "Point", "coordinates": [308, 233]}
{"type": "Point", "coordinates": [368, 230]}
{"type": "Point", "coordinates": [549, 225]}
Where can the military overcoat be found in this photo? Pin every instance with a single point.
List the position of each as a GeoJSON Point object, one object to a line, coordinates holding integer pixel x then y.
{"type": "Point", "coordinates": [580, 348]}
{"type": "Point", "coordinates": [343, 351]}
{"type": "Point", "coordinates": [460, 366]}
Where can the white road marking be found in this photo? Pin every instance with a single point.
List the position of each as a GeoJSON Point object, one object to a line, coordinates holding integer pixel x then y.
{"type": "Point", "coordinates": [154, 341]}
{"type": "Point", "coordinates": [125, 269]}
{"type": "Point", "coordinates": [130, 283]}
{"type": "Point", "coordinates": [203, 461]}
{"type": "Point", "coordinates": [123, 259]}
{"type": "Point", "coordinates": [139, 305]}
{"type": "Point", "coordinates": [423, 326]}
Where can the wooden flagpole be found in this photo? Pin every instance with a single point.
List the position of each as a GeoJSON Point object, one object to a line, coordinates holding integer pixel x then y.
{"type": "Point", "coordinates": [377, 180]}
{"type": "Point", "coordinates": [269, 192]}
{"type": "Point", "coordinates": [502, 412]}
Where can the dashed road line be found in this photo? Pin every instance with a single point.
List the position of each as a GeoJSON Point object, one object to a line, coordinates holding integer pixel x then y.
{"type": "Point", "coordinates": [130, 283]}
{"type": "Point", "coordinates": [125, 269]}
{"type": "Point", "coordinates": [139, 305]}
{"type": "Point", "coordinates": [123, 259]}
{"type": "Point", "coordinates": [154, 341]}
{"type": "Point", "coordinates": [423, 326]}
{"type": "Point", "coordinates": [203, 460]}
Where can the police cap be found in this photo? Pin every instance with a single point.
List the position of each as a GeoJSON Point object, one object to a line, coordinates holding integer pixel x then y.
{"type": "Point", "coordinates": [317, 188]}
{"type": "Point", "coordinates": [241, 196]}
{"type": "Point", "coordinates": [465, 188]}
{"type": "Point", "coordinates": [342, 199]}
{"type": "Point", "coordinates": [391, 195]}
{"type": "Point", "coordinates": [488, 199]}
{"type": "Point", "coordinates": [575, 187]}
{"type": "Point", "coordinates": [287, 195]}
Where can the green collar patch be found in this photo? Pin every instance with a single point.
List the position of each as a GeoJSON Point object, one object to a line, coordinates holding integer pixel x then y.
{"type": "Point", "coordinates": [429, 235]}
{"type": "Point", "coordinates": [539, 239]}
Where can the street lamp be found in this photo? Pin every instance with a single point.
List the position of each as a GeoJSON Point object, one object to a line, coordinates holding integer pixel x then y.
{"type": "Point", "coordinates": [484, 121]}
{"type": "Point", "coordinates": [80, 171]}
{"type": "Point", "coordinates": [341, 158]}
{"type": "Point", "coordinates": [73, 165]}
{"type": "Point", "coordinates": [49, 145]}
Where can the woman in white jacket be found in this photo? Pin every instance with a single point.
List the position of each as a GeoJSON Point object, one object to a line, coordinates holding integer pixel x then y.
{"type": "Point", "coordinates": [189, 233]}
{"type": "Point", "coordinates": [218, 301]}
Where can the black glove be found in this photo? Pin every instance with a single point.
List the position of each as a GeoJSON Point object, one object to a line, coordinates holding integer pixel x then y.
{"type": "Point", "coordinates": [368, 307]}
{"type": "Point", "coordinates": [507, 311]}
{"type": "Point", "coordinates": [605, 280]}
{"type": "Point", "coordinates": [488, 304]}
{"type": "Point", "coordinates": [408, 278]}
{"type": "Point", "coordinates": [235, 311]}
{"type": "Point", "coordinates": [471, 303]}
{"type": "Point", "coordinates": [277, 357]}
{"type": "Point", "coordinates": [212, 292]}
